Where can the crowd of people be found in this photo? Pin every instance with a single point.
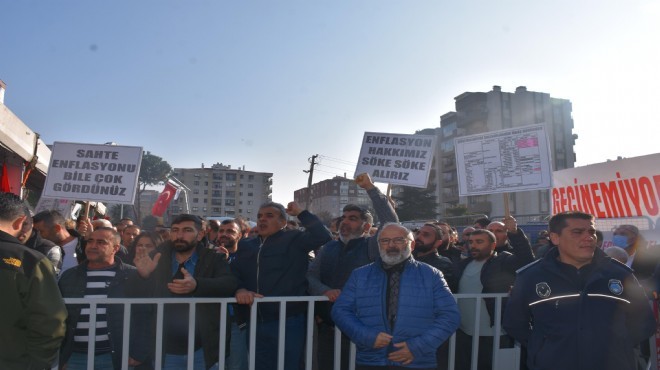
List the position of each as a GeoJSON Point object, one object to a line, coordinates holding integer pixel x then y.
{"type": "Point", "coordinates": [390, 290]}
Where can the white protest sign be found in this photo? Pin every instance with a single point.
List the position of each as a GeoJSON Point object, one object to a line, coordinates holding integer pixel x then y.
{"type": "Point", "coordinates": [623, 188]}
{"type": "Point", "coordinates": [504, 161]}
{"type": "Point", "coordinates": [397, 159]}
{"type": "Point", "coordinates": [91, 172]}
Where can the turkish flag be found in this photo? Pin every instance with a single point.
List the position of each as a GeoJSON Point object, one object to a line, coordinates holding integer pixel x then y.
{"type": "Point", "coordinates": [164, 200]}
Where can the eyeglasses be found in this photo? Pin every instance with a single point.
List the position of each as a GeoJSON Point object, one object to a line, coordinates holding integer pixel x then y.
{"type": "Point", "coordinates": [397, 241]}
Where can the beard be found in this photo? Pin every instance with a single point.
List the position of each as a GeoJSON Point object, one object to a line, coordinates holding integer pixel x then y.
{"type": "Point", "coordinates": [350, 234]}
{"type": "Point", "coordinates": [393, 256]}
{"type": "Point", "coordinates": [182, 245]}
{"type": "Point", "coordinates": [423, 248]}
{"type": "Point", "coordinates": [228, 243]}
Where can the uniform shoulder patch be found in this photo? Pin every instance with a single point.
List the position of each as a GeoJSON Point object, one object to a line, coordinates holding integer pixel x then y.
{"type": "Point", "coordinates": [543, 290]}
{"type": "Point", "coordinates": [12, 261]}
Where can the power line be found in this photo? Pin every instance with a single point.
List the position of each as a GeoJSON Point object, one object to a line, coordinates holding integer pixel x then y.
{"type": "Point", "coordinates": [337, 160]}
{"type": "Point", "coordinates": [336, 168]}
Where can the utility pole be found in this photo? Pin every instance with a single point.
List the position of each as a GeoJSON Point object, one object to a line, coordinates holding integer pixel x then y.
{"type": "Point", "coordinates": [312, 163]}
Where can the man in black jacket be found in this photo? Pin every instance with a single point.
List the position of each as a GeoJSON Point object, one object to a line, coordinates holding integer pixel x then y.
{"type": "Point", "coordinates": [184, 267]}
{"type": "Point", "coordinates": [275, 264]}
{"type": "Point", "coordinates": [33, 240]}
{"type": "Point", "coordinates": [102, 275]}
{"type": "Point", "coordinates": [487, 271]}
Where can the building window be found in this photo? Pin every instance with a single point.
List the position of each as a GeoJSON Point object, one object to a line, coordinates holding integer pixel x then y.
{"type": "Point", "coordinates": [250, 186]}
{"type": "Point", "coordinates": [250, 194]}
{"type": "Point", "coordinates": [230, 177]}
{"type": "Point", "coordinates": [195, 200]}
{"type": "Point", "coordinates": [196, 183]}
{"type": "Point", "coordinates": [195, 191]}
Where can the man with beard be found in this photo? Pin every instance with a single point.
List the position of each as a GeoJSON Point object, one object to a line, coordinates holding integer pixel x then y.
{"type": "Point", "coordinates": [184, 267]}
{"type": "Point", "coordinates": [485, 271]}
{"type": "Point", "coordinates": [336, 260]}
{"type": "Point", "coordinates": [228, 234]}
{"type": "Point", "coordinates": [447, 248]}
{"type": "Point", "coordinates": [417, 314]}
{"type": "Point", "coordinates": [427, 241]}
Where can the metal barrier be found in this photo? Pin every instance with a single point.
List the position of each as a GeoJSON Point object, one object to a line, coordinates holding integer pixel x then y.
{"type": "Point", "coordinates": [503, 359]}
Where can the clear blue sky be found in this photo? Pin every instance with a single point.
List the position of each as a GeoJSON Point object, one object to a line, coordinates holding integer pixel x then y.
{"type": "Point", "coordinates": [267, 84]}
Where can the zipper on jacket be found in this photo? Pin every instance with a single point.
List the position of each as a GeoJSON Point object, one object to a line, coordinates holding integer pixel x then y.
{"type": "Point", "coordinates": [263, 241]}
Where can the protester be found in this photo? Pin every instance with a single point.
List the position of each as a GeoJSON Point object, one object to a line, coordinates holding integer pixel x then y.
{"type": "Point", "coordinates": [32, 311]}
{"type": "Point", "coordinates": [228, 236]}
{"type": "Point", "coordinates": [396, 310]}
{"type": "Point", "coordinates": [577, 309]}
{"type": "Point", "coordinates": [275, 264]}
{"type": "Point", "coordinates": [147, 241]}
{"type": "Point", "coordinates": [428, 239]}
{"type": "Point", "coordinates": [102, 275]}
{"type": "Point", "coordinates": [448, 247]}
{"type": "Point", "coordinates": [336, 260]}
{"type": "Point", "coordinates": [184, 267]}
{"type": "Point", "coordinates": [31, 239]}
{"type": "Point", "coordinates": [487, 271]}
{"type": "Point", "coordinates": [51, 226]}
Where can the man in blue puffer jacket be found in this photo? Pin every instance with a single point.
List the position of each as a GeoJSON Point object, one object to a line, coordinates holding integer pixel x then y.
{"type": "Point", "coordinates": [397, 311]}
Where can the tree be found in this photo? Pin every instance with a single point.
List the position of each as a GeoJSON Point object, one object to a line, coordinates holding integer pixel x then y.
{"type": "Point", "coordinates": [416, 204]}
{"type": "Point", "coordinates": [457, 210]}
{"type": "Point", "coordinates": [153, 171]}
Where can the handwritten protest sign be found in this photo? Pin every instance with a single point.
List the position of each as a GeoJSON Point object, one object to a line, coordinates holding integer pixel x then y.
{"type": "Point", "coordinates": [397, 159]}
{"type": "Point", "coordinates": [93, 172]}
{"type": "Point", "coordinates": [503, 161]}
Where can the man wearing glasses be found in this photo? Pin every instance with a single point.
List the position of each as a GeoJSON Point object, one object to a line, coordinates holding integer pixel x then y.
{"type": "Point", "coordinates": [419, 309]}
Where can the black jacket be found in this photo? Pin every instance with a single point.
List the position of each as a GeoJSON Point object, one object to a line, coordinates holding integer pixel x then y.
{"type": "Point", "coordinates": [44, 246]}
{"type": "Point", "coordinates": [587, 319]}
{"type": "Point", "coordinates": [125, 284]}
{"type": "Point", "coordinates": [499, 271]}
{"type": "Point", "coordinates": [214, 279]}
{"type": "Point", "coordinates": [276, 266]}
{"type": "Point", "coordinates": [443, 264]}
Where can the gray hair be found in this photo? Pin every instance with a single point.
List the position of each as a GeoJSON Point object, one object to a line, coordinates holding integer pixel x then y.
{"type": "Point", "coordinates": [277, 206]}
{"type": "Point", "coordinates": [409, 234]}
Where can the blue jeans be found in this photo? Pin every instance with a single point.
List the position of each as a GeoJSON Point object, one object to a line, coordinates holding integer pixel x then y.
{"type": "Point", "coordinates": [267, 339]}
{"type": "Point", "coordinates": [78, 361]}
{"type": "Point", "coordinates": [179, 362]}
{"type": "Point", "coordinates": [238, 356]}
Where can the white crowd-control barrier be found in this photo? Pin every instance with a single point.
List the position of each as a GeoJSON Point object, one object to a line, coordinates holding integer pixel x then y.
{"type": "Point", "coordinates": [503, 358]}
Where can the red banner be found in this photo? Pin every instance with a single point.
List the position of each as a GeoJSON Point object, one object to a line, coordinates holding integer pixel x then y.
{"type": "Point", "coordinates": [164, 200]}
